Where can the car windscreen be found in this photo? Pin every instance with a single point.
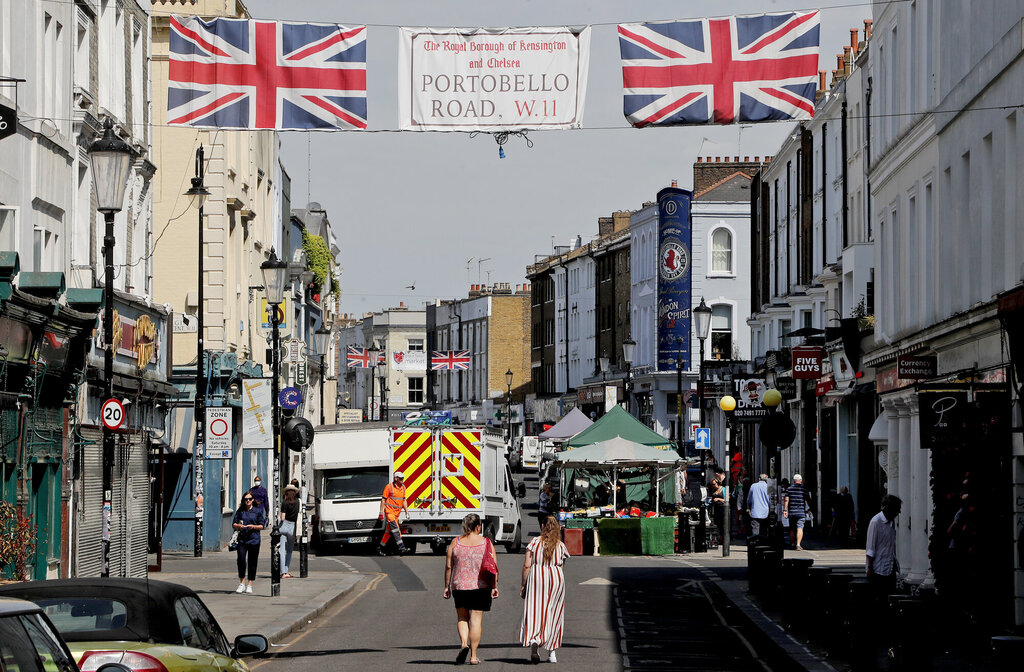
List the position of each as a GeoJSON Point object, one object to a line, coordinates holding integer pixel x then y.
{"type": "Point", "coordinates": [79, 615]}
{"type": "Point", "coordinates": [349, 483]}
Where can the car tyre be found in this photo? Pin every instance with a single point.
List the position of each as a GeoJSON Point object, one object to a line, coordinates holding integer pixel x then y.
{"type": "Point", "coordinates": [516, 545]}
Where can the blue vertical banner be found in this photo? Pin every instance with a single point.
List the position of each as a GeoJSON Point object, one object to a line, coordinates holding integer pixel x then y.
{"type": "Point", "coordinates": [675, 238]}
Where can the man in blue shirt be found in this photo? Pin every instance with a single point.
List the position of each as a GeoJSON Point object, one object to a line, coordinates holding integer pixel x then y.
{"type": "Point", "coordinates": [758, 504]}
{"type": "Point", "coordinates": [794, 508]}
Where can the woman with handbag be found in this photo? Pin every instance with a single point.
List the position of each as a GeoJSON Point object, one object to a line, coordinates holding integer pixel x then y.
{"type": "Point", "coordinates": [471, 577]}
{"type": "Point", "coordinates": [248, 522]}
{"type": "Point", "coordinates": [544, 591]}
{"type": "Point", "coordinates": [289, 516]}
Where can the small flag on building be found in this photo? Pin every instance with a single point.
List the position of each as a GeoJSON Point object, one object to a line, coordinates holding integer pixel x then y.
{"type": "Point", "coordinates": [359, 358]}
{"type": "Point", "coordinates": [239, 73]}
{"type": "Point", "coordinates": [722, 71]}
{"type": "Point", "coordinates": [450, 360]}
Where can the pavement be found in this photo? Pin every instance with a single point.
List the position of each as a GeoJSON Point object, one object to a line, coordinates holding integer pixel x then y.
{"type": "Point", "coordinates": [214, 577]}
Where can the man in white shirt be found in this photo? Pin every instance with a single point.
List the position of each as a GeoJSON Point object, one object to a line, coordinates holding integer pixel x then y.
{"type": "Point", "coordinates": [880, 552]}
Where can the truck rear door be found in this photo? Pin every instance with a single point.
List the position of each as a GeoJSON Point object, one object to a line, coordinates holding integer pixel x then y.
{"type": "Point", "coordinates": [459, 453]}
{"type": "Point", "coordinates": [412, 453]}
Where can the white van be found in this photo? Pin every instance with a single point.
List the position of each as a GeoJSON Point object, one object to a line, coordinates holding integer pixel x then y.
{"type": "Point", "coordinates": [530, 450]}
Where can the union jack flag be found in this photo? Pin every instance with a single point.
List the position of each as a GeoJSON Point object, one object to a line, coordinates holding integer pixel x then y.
{"type": "Point", "coordinates": [238, 73]}
{"type": "Point", "coordinates": [723, 71]}
{"type": "Point", "coordinates": [359, 358]}
{"type": "Point", "coordinates": [450, 360]}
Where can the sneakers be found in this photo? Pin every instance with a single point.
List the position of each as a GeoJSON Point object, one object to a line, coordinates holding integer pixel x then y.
{"type": "Point", "coordinates": [248, 589]}
{"type": "Point", "coordinates": [380, 552]}
{"type": "Point", "coordinates": [534, 654]}
{"type": "Point", "coordinates": [241, 588]}
{"type": "Point", "coordinates": [552, 658]}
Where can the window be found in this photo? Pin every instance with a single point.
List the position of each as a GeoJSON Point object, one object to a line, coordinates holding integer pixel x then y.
{"type": "Point", "coordinates": [48, 646]}
{"type": "Point", "coordinates": [415, 345]}
{"type": "Point", "coordinates": [83, 53]}
{"type": "Point", "coordinates": [84, 614]}
{"type": "Point", "coordinates": [198, 629]}
{"type": "Point", "coordinates": [721, 251]}
{"type": "Point", "coordinates": [16, 653]}
{"type": "Point", "coordinates": [355, 483]}
{"type": "Point", "coordinates": [721, 331]}
{"type": "Point", "coordinates": [416, 390]}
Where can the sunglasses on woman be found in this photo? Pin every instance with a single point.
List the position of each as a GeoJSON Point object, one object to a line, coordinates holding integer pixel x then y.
{"type": "Point", "coordinates": [246, 499]}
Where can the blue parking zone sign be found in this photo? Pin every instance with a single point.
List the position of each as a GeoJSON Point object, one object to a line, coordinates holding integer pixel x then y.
{"type": "Point", "coordinates": [702, 438]}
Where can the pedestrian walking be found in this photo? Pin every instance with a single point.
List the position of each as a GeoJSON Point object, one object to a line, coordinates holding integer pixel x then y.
{"type": "Point", "coordinates": [759, 505]}
{"type": "Point", "coordinates": [544, 505]}
{"type": "Point", "coordinates": [471, 577]}
{"type": "Point", "coordinates": [845, 521]}
{"type": "Point", "coordinates": [261, 499]}
{"type": "Point", "coordinates": [544, 591]}
{"type": "Point", "coordinates": [794, 510]}
{"type": "Point", "coordinates": [248, 521]}
{"type": "Point", "coordinates": [392, 504]}
{"type": "Point", "coordinates": [881, 564]}
{"type": "Point", "coordinates": [288, 518]}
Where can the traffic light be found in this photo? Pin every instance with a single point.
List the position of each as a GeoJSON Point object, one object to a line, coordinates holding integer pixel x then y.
{"type": "Point", "coordinates": [297, 434]}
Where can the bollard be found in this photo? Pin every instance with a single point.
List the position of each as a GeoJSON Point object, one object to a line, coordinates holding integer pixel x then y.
{"type": "Point", "coordinates": [908, 649]}
{"type": "Point", "coordinates": [836, 602]}
{"type": "Point", "coordinates": [758, 576]}
{"type": "Point", "coordinates": [771, 576]}
{"type": "Point", "coordinates": [794, 590]}
{"type": "Point", "coordinates": [858, 634]}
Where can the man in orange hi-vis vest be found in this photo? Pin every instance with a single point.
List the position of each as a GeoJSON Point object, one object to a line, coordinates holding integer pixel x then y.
{"type": "Point", "coordinates": [391, 506]}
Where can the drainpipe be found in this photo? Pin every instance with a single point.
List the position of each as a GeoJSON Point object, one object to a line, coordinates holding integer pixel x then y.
{"type": "Point", "coordinates": [824, 191]}
{"type": "Point", "coordinates": [867, 162]}
{"type": "Point", "coordinates": [846, 200]}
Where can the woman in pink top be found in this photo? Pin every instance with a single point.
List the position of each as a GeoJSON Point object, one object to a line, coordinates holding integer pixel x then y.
{"type": "Point", "coordinates": [462, 580]}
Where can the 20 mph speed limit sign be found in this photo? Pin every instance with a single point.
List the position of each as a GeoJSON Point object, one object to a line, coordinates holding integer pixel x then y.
{"type": "Point", "coordinates": [112, 414]}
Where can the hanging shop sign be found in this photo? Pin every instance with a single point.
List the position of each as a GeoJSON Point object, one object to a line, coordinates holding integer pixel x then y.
{"type": "Point", "coordinates": [750, 400]}
{"type": "Point", "coordinates": [8, 121]}
{"type": "Point", "coordinates": [842, 370]}
{"type": "Point", "coordinates": [257, 414]}
{"type": "Point", "coordinates": [916, 368]}
{"type": "Point", "coordinates": [786, 387]}
{"type": "Point", "coordinates": [824, 386]}
{"type": "Point", "coordinates": [282, 311]}
{"type": "Point", "coordinates": [505, 79]}
{"type": "Point", "coordinates": [185, 324]}
{"type": "Point", "coordinates": [945, 418]}
{"type": "Point", "coordinates": [218, 433]}
{"type": "Point", "coordinates": [674, 266]}
{"type": "Point", "coordinates": [136, 336]}
{"type": "Point", "coordinates": [806, 363]}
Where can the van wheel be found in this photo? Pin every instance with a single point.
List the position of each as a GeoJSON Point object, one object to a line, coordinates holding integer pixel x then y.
{"type": "Point", "coordinates": [516, 545]}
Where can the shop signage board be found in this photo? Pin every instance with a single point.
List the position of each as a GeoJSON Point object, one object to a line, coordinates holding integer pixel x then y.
{"type": "Point", "coordinates": [806, 363]}
{"type": "Point", "coordinates": [218, 433]}
{"type": "Point", "coordinates": [824, 386]}
{"type": "Point", "coordinates": [842, 370]}
{"type": "Point", "coordinates": [348, 415]}
{"type": "Point", "coordinates": [916, 368]}
{"type": "Point", "coordinates": [611, 397]}
{"type": "Point", "coordinates": [750, 400]}
{"type": "Point", "coordinates": [185, 324]}
{"type": "Point", "coordinates": [410, 360]}
{"type": "Point", "coordinates": [500, 79]}
{"type": "Point", "coordinates": [8, 121]}
{"type": "Point", "coordinates": [945, 418]}
{"type": "Point", "coordinates": [257, 414]}
{"type": "Point", "coordinates": [292, 350]}
{"type": "Point", "coordinates": [786, 387]}
{"type": "Point", "coordinates": [282, 312]}
{"type": "Point", "coordinates": [289, 398]}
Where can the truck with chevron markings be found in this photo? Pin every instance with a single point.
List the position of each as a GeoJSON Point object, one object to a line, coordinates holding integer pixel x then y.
{"type": "Point", "coordinates": [450, 471]}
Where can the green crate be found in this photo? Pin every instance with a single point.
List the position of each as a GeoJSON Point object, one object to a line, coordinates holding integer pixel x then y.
{"type": "Point", "coordinates": [579, 523]}
{"type": "Point", "coordinates": [619, 536]}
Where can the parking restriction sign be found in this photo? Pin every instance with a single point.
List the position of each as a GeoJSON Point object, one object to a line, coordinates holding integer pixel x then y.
{"type": "Point", "coordinates": [218, 433]}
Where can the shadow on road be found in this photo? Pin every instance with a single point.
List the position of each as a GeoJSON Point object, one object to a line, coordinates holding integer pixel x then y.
{"type": "Point", "coordinates": [316, 654]}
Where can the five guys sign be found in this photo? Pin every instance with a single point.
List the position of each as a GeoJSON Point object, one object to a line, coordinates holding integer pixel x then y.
{"type": "Point", "coordinates": [806, 363]}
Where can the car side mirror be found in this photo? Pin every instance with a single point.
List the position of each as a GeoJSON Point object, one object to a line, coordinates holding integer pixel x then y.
{"type": "Point", "coordinates": [521, 491]}
{"type": "Point", "coordinates": [250, 645]}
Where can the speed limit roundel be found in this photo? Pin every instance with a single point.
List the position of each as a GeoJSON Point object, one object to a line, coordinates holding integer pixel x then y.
{"type": "Point", "coordinates": [112, 414]}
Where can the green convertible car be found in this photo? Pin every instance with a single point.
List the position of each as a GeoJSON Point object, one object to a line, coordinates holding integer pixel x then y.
{"type": "Point", "coordinates": [146, 626]}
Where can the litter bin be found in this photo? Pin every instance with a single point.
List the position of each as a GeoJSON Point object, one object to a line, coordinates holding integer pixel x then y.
{"type": "Point", "coordinates": [574, 540]}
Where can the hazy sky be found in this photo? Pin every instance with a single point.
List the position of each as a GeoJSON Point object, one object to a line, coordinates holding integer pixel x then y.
{"type": "Point", "coordinates": [411, 208]}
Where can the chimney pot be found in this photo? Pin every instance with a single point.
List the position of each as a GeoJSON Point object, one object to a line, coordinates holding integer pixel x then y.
{"type": "Point", "coordinates": [737, 159]}
{"type": "Point", "coordinates": [746, 159]}
{"type": "Point", "coordinates": [718, 159]}
{"type": "Point", "coordinates": [401, 304]}
{"type": "Point", "coordinates": [700, 159]}
{"type": "Point", "coordinates": [725, 159]}
{"type": "Point", "coordinates": [840, 63]}
{"type": "Point", "coordinates": [757, 159]}
{"type": "Point", "coordinates": [867, 29]}
{"type": "Point", "coordinates": [675, 183]}
{"type": "Point", "coordinates": [821, 79]}
{"type": "Point", "coordinates": [853, 40]}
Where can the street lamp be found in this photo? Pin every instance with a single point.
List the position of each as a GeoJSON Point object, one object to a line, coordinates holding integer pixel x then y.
{"type": "Point", "coordinates": [508, 408]}
{"type": "Point", "coordinates": [628, 352]}
{"type": "Point", "coordinates": [679, 391]}
{"type": "Point", "coordinates": [199, 194]}
{"type": "Point", "coordinates": [322, 338]}
{"type": "Point", "coordinates": [702, 325]}
{"type": "Point", "coordinates": [110, 158]}
{"type": "Point", "coordinates": [372, 353]}
{"type": "Point", "coordinates": [604, 363]}
{"type": "Point", "coordinates": [275, 275]}
{"type": "Point", "coordinates": [728, 406]}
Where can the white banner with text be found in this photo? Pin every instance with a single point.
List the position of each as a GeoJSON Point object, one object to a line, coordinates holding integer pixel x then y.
{"type": "Point", "coordinates": [492, 79]}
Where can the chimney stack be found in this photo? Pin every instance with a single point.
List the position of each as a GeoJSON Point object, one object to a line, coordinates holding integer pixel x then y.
{"type": "Point", "coordinates": [853, 41]}
{"type": "Point", "coordinates": [867, 29]}
{"type": "Point", "coordinates": [821, 80]}
{"type": "Point", "coordinates": [840, 64]}
{"type": "Point", "coordinates": [847, 61]}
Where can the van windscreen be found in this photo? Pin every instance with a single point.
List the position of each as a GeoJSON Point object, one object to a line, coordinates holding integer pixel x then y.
{"type": "Point", "coordinates": [362, 482]}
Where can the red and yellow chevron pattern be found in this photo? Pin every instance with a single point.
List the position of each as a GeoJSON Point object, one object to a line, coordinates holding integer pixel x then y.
{"type": "Point", "coordinates": [413, 456]}
{"type": "Point", "coordinates": [460, 470]}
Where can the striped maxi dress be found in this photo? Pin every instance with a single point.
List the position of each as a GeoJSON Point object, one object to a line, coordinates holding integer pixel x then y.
{"type": "Point", "coordinates": [544, 611]}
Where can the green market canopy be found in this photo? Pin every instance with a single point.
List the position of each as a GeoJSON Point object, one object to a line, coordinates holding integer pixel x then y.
{"type": "Point", "coordinates": [618, 423]}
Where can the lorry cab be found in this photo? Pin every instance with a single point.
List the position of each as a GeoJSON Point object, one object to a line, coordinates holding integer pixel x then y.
{"type": "Point", "coordinates": [351, 466]}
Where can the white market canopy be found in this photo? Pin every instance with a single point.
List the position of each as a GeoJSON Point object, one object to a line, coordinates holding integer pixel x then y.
{"type": "Point", "coordinates": [572, 424]}
{"type": "Point", "coordinates": [617, 452]}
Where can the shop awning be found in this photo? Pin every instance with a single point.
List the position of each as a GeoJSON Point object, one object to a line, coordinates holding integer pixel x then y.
{"type": "Point", "coordinates": [617, 452]}
{"type": "Point", "coordinates": [880, 429]}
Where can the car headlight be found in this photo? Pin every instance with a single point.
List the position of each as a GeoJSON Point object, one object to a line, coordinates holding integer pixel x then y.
{"type": "Point", "coordinates": [136, 661]}
{"type": "Point", "coordinates": [327, 526]}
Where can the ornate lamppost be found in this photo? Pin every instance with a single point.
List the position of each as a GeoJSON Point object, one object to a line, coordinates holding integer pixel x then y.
{"type": "Point", "coordinates": [628, 352]}
{"type": "Point", "coordinates": [702, 325]}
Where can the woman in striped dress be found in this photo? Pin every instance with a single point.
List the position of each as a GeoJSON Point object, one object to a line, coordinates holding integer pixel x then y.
{"type": "Point", "coordinates": [544, 591]}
